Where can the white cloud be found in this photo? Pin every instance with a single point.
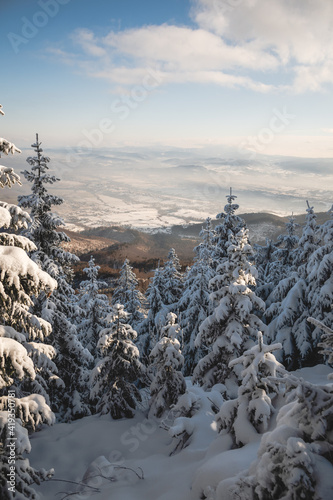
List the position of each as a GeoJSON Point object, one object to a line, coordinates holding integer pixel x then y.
{"type": "Point", "coordinates": [237, 43]}
{"type": "Point", "coordinates": [124, 76]}
{"type": "Point", "coordinates": [298, 32]}
{"type": "Point", "coordinates": [190, 49]}
{"type": "Point", "coordinates": [300, 29]}
{"type": "Point", "coordinates": [312, 77]}
{"type": "Point", "coordinates": [87, 41]}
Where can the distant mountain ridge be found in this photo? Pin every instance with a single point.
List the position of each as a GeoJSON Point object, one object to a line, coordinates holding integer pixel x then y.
{"type": "Point", "coordinates": [111, 245]}
{"type": "Point", "coordinates": [271, 225]}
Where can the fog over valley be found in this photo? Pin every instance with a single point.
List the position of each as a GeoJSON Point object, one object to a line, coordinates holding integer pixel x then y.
{"type": "Point", "coordinates": [160, 187]}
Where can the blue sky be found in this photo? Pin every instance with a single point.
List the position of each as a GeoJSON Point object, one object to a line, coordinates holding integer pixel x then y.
{"type": "Point", "coordinates": [253, 75]}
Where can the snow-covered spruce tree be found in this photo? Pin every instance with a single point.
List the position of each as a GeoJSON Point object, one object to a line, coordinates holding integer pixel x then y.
{"type": "Point", "coordinates": [287, 248]}
{"type": "Point", "coordinates": [278, 275]}
{"type": "Point", "coordinates": [296, 457]}
{"type": "Point", "coordinates": [308, 242]}
{"type": "Point", "coordinates": [112, 380]}
{"type": "Point", "coordinates": [194, 305]}
{"type": "Point", "coordinates": [326, 342]}
{"type": "Point", "coordinates": [16, 367]}
{"type": "Point", "coordinates": [17, 414]}
{"type": "Point", "coordinates": [277, 261]}
{"type": "Point", "coordinates": [231, 224]}
{"type": "Point", "coordinates": [172, 281]}
{"type": "Point", "coordinates": [149, 329]}
{"type": "Point", "coordinates": [207, 235]}
{"type": "Point", "coordinates": [287, 321]}
{"type": "Point", "coordinates": [70, 396]}
{"type": "Point", "coordinates": [162, 296]}
{"type": "Point", "coordinates": [95, 307]}
{"type": "Point", "coordinates": [249, 414]}
{"type": "Point", "coordinates": [43, 230]}
{"type": "Point", "coordinates": [285, 469]}
{"type": "Point", "coordinates": [233, 326]}
{"type": "Point", "coordinates": [168, 382]}
{"type": "Point", "coordinates": [71, 400]}
{"type": "Point", "coordinates": [290, 304]}
{"type": "Point", "coordinates": [268, 269]}
{"type": "Point", "coordinates": [171, 329]}
{"type": "Point", "coordinates": [320, 289]}
{"type": "Point", "coordinates": [20, 280]}
{"type": "Point", "coordinates": [127, 294]}
{"type": "Point", "coordinates": [17, 483]}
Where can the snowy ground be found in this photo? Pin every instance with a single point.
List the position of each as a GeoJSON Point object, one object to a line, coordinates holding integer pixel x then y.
{"type": "Point", "coordinates": [91, 447]}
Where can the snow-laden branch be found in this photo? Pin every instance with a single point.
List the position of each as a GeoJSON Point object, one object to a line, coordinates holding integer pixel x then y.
{"type": "Point", "coordinates": [31, 410]}
{"type": "Point", "coordinates": [15, 356]}
{"type": "Point", "coordinates": [7, 147]}
{"type": "Point", "coordinates": [16, 217]}
{"type": "Point", "coordinates": [8, 177]}
{"type": "Point", "coordinates": [320, 325]}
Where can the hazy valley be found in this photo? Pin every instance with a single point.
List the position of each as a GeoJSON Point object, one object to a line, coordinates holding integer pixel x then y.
{"type": "Point", "coordinates": [155, 188]}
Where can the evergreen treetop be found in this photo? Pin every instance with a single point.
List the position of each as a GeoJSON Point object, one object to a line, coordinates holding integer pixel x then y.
{"type": "Point", "coordinates": [112, 380]}
{"type": "Point", "coordinates": [231, 224]}
{"type": "Point", "coordinates": [232, 326]}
